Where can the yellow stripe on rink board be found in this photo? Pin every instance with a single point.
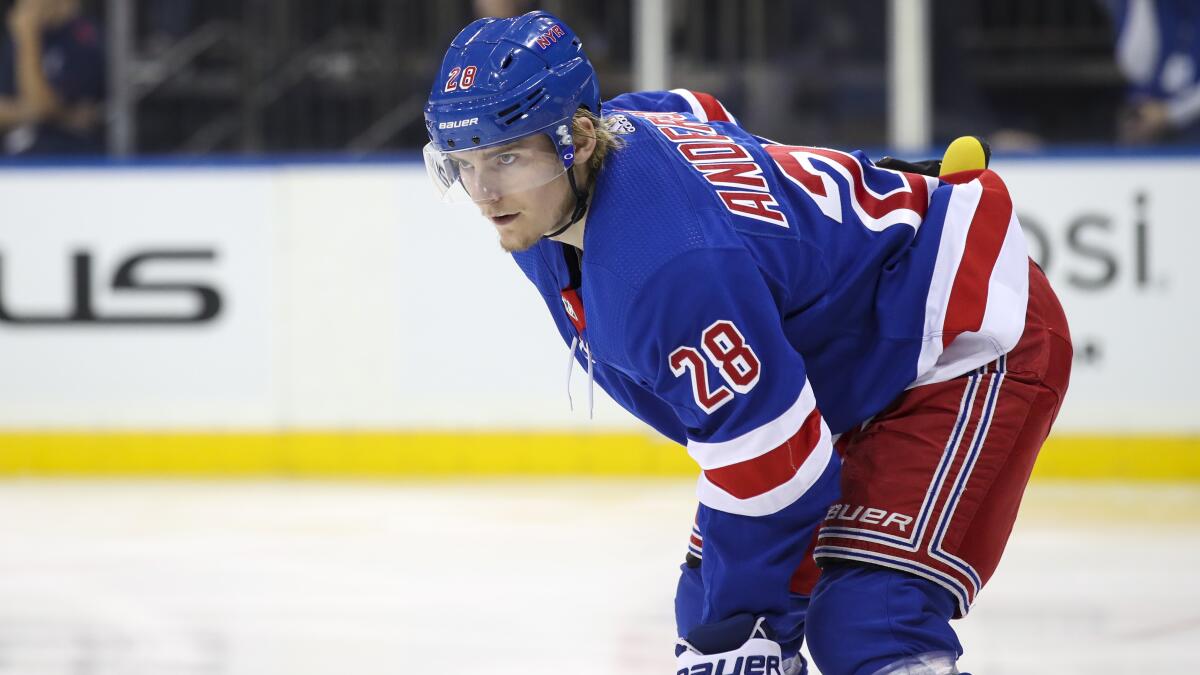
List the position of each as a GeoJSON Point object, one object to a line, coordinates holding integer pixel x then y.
{"type": "Point", "coordinates": [1143, 458]}
{"type": "Point", "coordinates": [341, 454]}
{"type": "Point", "coordinates": [446, 454]}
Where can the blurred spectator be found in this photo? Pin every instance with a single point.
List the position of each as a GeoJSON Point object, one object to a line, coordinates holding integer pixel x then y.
{"type": "Point", "coordinates": [1158, 50]}
{"type": "Point", "coordinates": [961, 104]}
{"type": "Point", "coordinates": [168, 21]}
{"type": "Point", "coordinates": [51, 80]}
{"type": "Point", "coordinates": [501, 8]}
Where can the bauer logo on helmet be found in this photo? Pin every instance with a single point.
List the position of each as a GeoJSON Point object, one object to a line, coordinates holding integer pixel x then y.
{"type": "Point", "coordinates": [458, 123]}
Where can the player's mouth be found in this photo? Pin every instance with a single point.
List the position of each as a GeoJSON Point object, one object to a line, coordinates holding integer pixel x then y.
{"type": "Point", "coordinates": [501, 221]}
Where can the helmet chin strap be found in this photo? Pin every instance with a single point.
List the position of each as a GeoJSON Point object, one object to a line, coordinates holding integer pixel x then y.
{"type": "Point", "coordinates": [581, 205]}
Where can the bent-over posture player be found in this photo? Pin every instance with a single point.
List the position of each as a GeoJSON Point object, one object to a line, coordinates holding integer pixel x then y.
{"type": "Point", "coordinates": [862, 360]}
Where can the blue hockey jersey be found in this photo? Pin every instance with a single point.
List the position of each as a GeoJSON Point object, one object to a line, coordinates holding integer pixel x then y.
{"type": "Point", "coordinates": [751, 300]}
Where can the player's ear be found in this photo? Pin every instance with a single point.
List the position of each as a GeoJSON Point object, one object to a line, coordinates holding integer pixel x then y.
{"type": "Point", "coordinates": [585, 138]}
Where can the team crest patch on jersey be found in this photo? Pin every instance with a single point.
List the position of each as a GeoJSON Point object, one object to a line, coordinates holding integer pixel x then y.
{"type": "Point", "coordinates": [570, 310]}
{"type": "Point", "coordinates": [619, 124]}
{"type": "Point", "coordinates": [573, 306]}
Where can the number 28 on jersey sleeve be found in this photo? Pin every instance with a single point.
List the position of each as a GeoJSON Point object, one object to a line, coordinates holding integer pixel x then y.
{"type": "Point", "coordinates": [725, 347]}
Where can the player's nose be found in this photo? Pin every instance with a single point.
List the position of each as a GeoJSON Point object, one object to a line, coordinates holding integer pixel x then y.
{"type": "Point", "coordinates": [484, 192]}
{"type": "Point", "coordinates": [486, 200]}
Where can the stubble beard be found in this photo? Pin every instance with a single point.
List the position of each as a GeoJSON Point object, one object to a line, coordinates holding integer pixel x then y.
{"type": "Point", "coordinates": [516, 242]}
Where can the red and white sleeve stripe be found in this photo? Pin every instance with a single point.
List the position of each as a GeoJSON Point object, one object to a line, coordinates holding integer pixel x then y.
{"type": "Point", "coordinates": [768, 468]}
{"type": "Point", "coordinates": [705, 107]}
{"type": "Point", "coordinates": [696, 542]}
{"type": "Point", "coordinates": [980, 286]}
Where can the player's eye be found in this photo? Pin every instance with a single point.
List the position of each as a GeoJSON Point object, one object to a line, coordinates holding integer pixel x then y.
{"type": "Point", "coordinates": [506, 158]}
{"type": "Point", "coordinates": [460, 166]}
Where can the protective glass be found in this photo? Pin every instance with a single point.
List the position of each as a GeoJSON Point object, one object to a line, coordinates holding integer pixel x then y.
{"type": "Point", "coordinates": [487, 174]}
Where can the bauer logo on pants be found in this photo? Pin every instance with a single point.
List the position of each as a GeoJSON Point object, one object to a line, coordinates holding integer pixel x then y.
{"type": "Point", "coordinates": [868, 515]}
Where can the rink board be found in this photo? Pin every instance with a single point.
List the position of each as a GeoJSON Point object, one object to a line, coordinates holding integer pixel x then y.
{"type": "Point", "coordinates": [334, 319]}
{"type": "Point", "coordinates": [434, 455]}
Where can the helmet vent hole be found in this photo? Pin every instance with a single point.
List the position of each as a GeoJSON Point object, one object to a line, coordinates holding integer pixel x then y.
{"type": "Point", "coordinates": [520, 110]}
{"type": "Point", "coordinates": [506, 61]}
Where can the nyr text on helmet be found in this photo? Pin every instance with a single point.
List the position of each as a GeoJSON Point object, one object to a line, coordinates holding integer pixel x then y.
{"type": "Point", "coordinates": [550, 36]}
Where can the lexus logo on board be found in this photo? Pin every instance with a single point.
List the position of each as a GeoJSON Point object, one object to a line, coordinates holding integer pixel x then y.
{"type": "Point", "coordinates": [125, 282]}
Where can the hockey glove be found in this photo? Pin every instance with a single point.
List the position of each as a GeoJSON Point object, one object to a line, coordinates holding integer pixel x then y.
{"type": "Point", "coordinates": [739, 644]}
{"type": "Point", "coordinates": [928, 167]}
{"type": "Point", "coordinates": [965, 153]}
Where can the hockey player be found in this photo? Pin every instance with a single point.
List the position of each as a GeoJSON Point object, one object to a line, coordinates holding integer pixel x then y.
{"type": "Point", "coordinates": [862, 360]}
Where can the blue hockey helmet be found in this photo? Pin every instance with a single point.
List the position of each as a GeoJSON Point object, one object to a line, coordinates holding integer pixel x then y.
{"type": "Point", "coordinates": [505, 79]}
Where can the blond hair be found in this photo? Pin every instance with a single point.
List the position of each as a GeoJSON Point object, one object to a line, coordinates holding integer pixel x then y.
{"type": "Point", "coordinates": [606, 140]}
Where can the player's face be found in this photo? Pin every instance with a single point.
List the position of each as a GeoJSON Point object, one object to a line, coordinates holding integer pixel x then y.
{"type": "Point", "coordinates": [496, 179]}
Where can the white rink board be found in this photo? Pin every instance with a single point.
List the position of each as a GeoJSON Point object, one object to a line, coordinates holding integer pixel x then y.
{"type": "Point", "coordinates": [351, 298]}
{"type": "Point", "coordinates": [1119, 239]}
{"type": "Point", "coordinates": [89, 371]}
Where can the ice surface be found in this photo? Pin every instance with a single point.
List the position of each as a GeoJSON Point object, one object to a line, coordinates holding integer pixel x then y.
{"type": "Point", "coordinates": [504, 577]}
